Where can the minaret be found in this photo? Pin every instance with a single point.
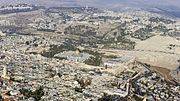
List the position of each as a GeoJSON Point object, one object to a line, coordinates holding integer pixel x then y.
{"type": "Point", "coordinates": [86, 7]}
{"type": "Point", "coordinates": [4, 72]}
{"type": "Point", "coordinates": [178, 69]}
{"type": "Point", "coordinates": [4, 75]}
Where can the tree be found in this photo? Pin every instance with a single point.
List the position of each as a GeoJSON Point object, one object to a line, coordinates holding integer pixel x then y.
{"type": "Point", "coordinates": [37, 94]}
{"type": "Point", "coordinates": [95, 61]}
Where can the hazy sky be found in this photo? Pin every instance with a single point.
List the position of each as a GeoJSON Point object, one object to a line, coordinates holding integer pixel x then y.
{"type": "Point", "coordinates": [99, 3]}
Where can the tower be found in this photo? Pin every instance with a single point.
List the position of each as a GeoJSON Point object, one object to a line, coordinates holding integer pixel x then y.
{"type": "Point", "coordinates": [178, 69]}
{"type": "Point", "coordinates": [4, 72]}
{"type": "Point", "coordinates": [87, 7]}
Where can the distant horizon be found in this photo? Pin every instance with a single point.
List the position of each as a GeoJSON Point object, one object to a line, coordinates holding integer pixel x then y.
{"type": "Point", "coordinates": [100, 3]}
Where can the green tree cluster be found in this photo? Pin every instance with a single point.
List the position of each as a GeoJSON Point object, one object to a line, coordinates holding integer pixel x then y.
{"type": "Point", "coordinates": [94, 60]}
{"type": "Point", "coordinates": [37, 94]}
